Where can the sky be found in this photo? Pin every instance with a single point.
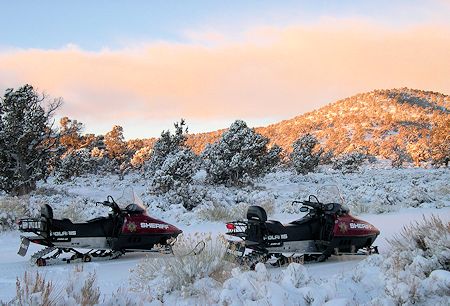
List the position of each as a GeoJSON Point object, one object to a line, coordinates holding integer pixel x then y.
{"type": "Point", "coordinates": [146, 64]}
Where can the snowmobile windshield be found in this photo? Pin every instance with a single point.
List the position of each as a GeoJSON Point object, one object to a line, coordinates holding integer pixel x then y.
{"type": "Point", "coordinates": [131, 202]}
{"type": "Point", "coordinates": [331, 194]}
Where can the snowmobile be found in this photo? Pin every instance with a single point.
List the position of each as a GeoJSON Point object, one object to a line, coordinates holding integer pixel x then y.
{"type": "Point", "coordinates": [326, 229]}
{"type": "Point", "coordinates": [124, 230]}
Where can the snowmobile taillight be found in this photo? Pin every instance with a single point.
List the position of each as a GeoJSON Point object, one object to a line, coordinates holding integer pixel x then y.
{"type": "Point", "coordinates": [18, 222]}
{"type": "Point", "coordinates": [231, 226]}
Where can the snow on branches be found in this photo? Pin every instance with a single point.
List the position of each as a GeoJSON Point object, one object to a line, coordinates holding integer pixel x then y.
{"type": "Point", "coordinates": [239, 155]}
{"type": "Point", "coordinates": [304, 157]}
{"type": "Point", "coordinates": [26, 138]}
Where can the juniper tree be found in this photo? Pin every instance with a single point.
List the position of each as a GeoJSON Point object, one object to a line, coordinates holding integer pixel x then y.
{"type": "Point", "coordinates": [70, 136]}
{"type": "Point", "coordinates": [171, 167]}
{"type": "Point", "coordinates": [166, 144]}
{"type": "Point", "coordinates": [440, 142]}
{"type": "Point", "coordinates": [304, 157]}
{"type": "Point", "coordinates": [26, 138]}
{"type": "Point", "coordinates": [116, 146]}
{"type": "Point", "coordinates": [75, 163]}
{"type": "Point", "coordinates": [240, 154]}
{"type": "Point", "coordinates": [349, 162]}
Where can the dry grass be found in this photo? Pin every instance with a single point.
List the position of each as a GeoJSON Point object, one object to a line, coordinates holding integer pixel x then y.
{"type": "Point", "coordinates": [427, 235]}
{"type": "Point", "coordinates": [34, 289]}
{"type": "Point", "coordinates": [418, 250]}
{"type": "Point", "coordinates": [74, 211]}
{"type": "Point", "coordinates": [85, 293]}
{"type": "Point", "coordinates": [158, 276]}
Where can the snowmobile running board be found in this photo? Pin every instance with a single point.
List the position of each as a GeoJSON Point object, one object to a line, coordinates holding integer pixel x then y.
{"type": "Point", "coordinates": [40, 258]}
{"type": "Point", "coordinates": [237, 253]}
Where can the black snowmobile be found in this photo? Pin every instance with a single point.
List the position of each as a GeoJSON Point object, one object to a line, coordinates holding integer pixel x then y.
{"type": "Point", "coordinates": [124, 230]}
{"type": "Point", "coordinates": [326, 229]}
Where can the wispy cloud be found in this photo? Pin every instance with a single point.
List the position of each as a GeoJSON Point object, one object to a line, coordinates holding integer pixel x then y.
{"type": "Point", "coordinates": [269, 72]}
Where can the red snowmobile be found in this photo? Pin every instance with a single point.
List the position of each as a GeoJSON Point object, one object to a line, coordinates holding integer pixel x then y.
{"type": "Point", "coordinates": [326, 229]}
{"type": "Point", "coordinates": [124, 230]}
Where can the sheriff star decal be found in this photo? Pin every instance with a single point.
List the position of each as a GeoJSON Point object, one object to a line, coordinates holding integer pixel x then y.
{"type": "Point", "coordinates": [132, 226]}
{"type": "Point", "coordinates": [343, 227]}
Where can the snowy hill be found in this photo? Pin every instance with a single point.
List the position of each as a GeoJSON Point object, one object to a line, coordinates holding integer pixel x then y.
{"type": "Point", "coordinates": [376, 121]}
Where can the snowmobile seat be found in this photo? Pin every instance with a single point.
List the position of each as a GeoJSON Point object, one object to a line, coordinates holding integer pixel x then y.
{"type": "Point", "coordinates": [46, 211]}
{"type": "Point", "coordinates": [275, 227]}
{"type": "Point", "coordinates": [256, 213]}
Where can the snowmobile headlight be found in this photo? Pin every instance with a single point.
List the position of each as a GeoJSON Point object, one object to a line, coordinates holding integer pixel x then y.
{"type": "Point", "coordinates": [231, 226]}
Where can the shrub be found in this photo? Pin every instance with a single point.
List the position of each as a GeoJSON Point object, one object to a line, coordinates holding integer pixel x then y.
{"type": "Point", "coordinates": [416, 255]}
{"type": "Point", "coordinates": [158, 276]}
{"type": "Point", "coordinates": [11, 209]}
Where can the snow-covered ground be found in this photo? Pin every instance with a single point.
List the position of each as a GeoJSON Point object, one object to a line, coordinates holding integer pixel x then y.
{"type": "Point", "coordinates": [389, 199]}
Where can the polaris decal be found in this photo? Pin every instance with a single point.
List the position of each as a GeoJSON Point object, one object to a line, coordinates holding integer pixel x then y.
{"type": "Point", "coordinates": [64, 233]}
{"type": "Point", "coordinates": [360, 226]}
{"type": "Point", "coordinates": [154, 225]}
{"type": "Point", "coordinates": [275, 237]}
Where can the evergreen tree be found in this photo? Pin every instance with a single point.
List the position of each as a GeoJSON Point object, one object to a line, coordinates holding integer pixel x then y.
{"type": "Point", "coordinates": [165, 145]}
{"type": "Point", "coordinates": [240, 154]}
{"type": "Point", "coordinates": [349, 162]}
{"type": "Point", "coordinates": [75, 163]}
{"type": "Point", "coordinates": [399, 157]}
{"type": "Point", "coordinates": [304, 157]}
{"type": "Point", "coordinates": [140, 157]}
{"type": "Point", "coordinates": [177, 169]}
{"type": "Point", "coordinates": [440, 142]}
{"type": "Point", "coordinates": [116, 146]}
{"type": "Point", "coordinates": [26, 139]}
{"type": "Point", "coordinates": [70, 136]}
{"type": "Point", "coordinates": [172, 166]}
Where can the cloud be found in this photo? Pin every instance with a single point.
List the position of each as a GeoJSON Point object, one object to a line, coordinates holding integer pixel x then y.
{"type": "Point", "coordinates": [269, 72]}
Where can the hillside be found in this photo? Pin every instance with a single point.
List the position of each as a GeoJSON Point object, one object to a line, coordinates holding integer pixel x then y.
{"type": "Point", "coordinates": [376, 122]}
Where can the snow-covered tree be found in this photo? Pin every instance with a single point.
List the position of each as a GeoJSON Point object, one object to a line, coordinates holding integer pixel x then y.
{"type": "Point", "coordinates": [349, 162]}
{"type": "Point", "coordinates": [305, 157]}
{"type": "Point", "coordinates": [171, 167]}
{"type": "Point", "coordinates": [240, 154]}
{"type": "Point", "coordinates": [399, 157]}
{"type": "Point", "coordinates": [75, 163]}
{"type": "Point", "coordinates": [166, 144]}
{"type": "Point", "coordinates": [419, 150]}
{"type": "Point", "coordinates": [178, 167]}
{"type": "Point", "coordinates": [26, 138]}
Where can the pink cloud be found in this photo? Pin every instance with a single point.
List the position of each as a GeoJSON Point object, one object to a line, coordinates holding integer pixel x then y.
{"type": "Point", "coordinates": [270, 72]}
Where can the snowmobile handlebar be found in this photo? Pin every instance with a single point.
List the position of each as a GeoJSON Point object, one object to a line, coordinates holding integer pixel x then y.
{"type": "Point", "coordinates": [314, 203]}
{"type": "Point", "coordinates": [111, 204]}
